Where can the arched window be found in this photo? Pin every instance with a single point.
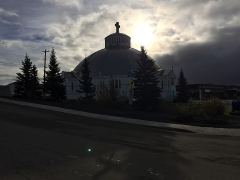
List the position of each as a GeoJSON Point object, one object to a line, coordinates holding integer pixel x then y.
{"type": "Point", "coordinates": [117, 83]}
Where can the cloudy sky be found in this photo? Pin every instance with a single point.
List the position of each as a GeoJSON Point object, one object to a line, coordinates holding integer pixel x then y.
{"type": "Point", "coordinates": [200, 36]}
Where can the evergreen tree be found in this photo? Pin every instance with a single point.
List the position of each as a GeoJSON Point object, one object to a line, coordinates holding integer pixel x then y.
{"type": "Point", "coordinates": [86, 87]}
{"type": "Point", "coordinates": [182, 90]}
{"type": "Point", "coordinates": [35, 85]}
{"type": "Point", "coordinates": [146, 90]}
{"type": "Point", "coordinates": [23, 82]}
{"type": "Point", "coordinates": [54, 81]}
{"type": "Point", "coordinates": [27, 83]}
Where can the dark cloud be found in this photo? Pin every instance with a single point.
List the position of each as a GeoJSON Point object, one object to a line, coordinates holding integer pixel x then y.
{"type": "Point", "coordinates": [216, 61]}
{"type": "Point", "coordinates": [77, 28]}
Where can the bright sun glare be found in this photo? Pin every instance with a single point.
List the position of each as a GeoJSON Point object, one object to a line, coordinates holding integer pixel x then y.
{"type": "Point", "coordinates": [142, 35]}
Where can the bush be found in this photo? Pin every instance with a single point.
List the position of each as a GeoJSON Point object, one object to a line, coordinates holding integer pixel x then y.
{"type": "Point", "coordinates": [188, 111]}
{"type": "Point", "coordinates": [214, 109]}
{"type": "Point", "coordinates": [167, 107]}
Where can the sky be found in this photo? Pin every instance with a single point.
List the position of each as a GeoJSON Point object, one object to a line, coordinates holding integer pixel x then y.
{"type": "Point", "coordinates": [200, 36]}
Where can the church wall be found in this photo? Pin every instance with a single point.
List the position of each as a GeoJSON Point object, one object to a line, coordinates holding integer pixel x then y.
{"type": "Point", "coordinates": [72, 86]}
{"type": "Point", "coordinates": [122, 85]}
{"type": "Point", "coordinates": [167, 84]}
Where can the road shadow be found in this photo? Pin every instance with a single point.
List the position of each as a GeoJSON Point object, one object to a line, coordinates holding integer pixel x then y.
{"type": "Point", "coordinates": [120, 151]}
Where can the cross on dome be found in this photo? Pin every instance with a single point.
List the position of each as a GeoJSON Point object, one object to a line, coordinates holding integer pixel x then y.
{"type": "Point", "coordinates": [117, 27]}
{"type": "Point", "coordinates": [117, 40]}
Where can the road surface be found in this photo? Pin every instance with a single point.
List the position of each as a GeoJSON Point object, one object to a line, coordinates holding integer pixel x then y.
{"type": "Point", "coordinates": [38, 144]}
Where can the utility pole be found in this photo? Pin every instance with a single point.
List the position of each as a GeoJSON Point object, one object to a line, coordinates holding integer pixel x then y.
{"type": "Point", "coordinates": [44, 71]}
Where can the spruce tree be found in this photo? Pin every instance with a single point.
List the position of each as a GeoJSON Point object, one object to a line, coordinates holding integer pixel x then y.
{"type": "Point", "coordinates": [54, 81]}
{"type": "Point", "coordinates": [146, 90]}
{"type": "Point", "coordinates": [182, 90]}
{"type": "Point", "coordinates": [87, 89]}
{"type": "Point", "coordinates": [23, 82]}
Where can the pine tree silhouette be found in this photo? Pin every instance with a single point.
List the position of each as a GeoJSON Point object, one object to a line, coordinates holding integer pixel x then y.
{"type": "Point", "coordinates": [146, 90]}
{"type": "Point", "coordinates": [86, 88]}
{"type": "Point", "coordinates": [182, 90]}
{"type": "Point", "coordinates": [54, 81]}
{"type": "Point", "coordinates": [23, 82]}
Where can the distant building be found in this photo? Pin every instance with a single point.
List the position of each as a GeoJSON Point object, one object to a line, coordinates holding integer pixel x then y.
{"type": "Point", "coordinates": [208, 91]}
{"type": "Point", "coordinates": [116, 63]}
{"type": "Point", "coordinates": [7, 90]}
{"type": "Point", "coordinates": [4, 91]}
{"type": "Point", "coordinates": [11, 88]}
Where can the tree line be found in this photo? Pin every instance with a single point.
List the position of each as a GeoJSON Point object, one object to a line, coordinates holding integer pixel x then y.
{"type": "Point", "coordinates": [146, 90]}
{"type": "Point", "coordinates": [28, 84]}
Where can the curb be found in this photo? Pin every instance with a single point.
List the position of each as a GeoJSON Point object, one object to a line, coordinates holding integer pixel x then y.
{"type": "Point", "coordinates": [194, 129]}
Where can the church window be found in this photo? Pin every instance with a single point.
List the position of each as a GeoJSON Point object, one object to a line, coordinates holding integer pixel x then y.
{"type": "Point", "coordinates": [116, 83]}
{"type": "Point", "coordinates": [72, 86]}
{"type": "Point", "coordinates": [102, 84]}
{"type": "Point", "coordinates": [117, 40]}
{"type": "Point", "coordinates": [112, 41]}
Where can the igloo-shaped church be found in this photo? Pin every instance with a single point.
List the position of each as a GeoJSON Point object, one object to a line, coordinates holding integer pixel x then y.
{"type": "Point", "coordinates": [116, 63]}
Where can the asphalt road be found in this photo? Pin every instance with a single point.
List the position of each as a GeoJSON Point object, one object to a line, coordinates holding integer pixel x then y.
{"type": "Point", "coordinates": [38, 144]}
